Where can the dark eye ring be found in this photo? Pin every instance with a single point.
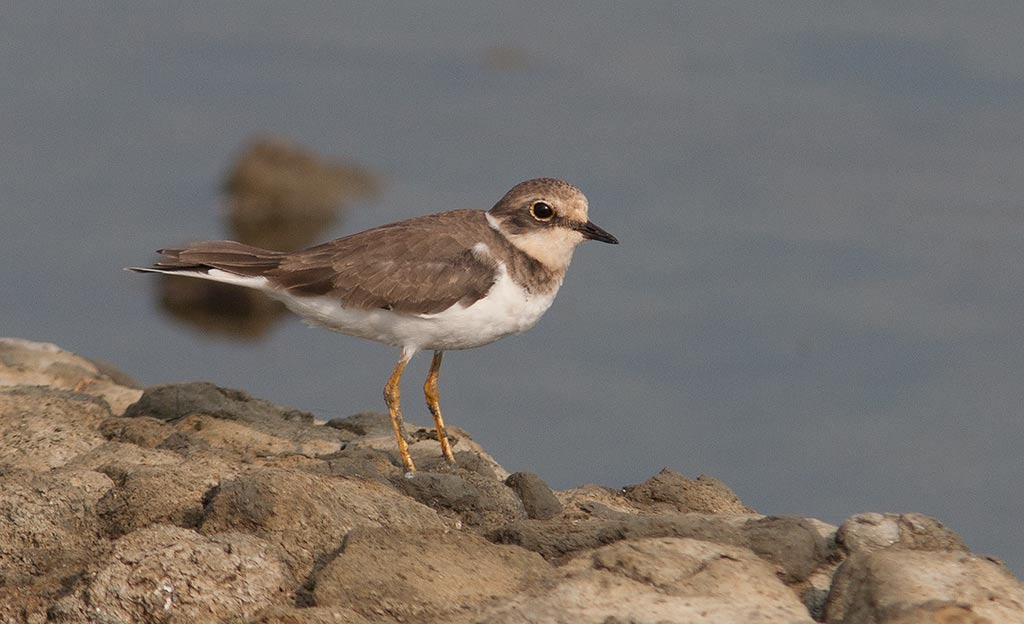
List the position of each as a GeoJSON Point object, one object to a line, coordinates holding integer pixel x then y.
{"type": "Point", "coordinates": [542, 211]}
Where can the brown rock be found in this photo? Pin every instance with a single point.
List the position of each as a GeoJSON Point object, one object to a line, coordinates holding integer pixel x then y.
{"type": "Point", "coordinates": [559, 538]}
{"type": "Point", "coordinates": [872, 531]}
{"type": "Point", "coordinates": [308, 615]}
{"type": "Point", "coordinates": [671, 491]}
{"type": "Point", "coordinates": [791, 543]}
{"type": "Point", "coordinates": [384, 573]}
{"type": "Point", "coordinates": [27, 363]}
{"type": "Point", "coordinates": [48, 523]}
{"type": "Point", "coordinates": [145, 495]}
{"type": "Point", "coordinates": [424, 447]}
{"type": "Point", "coordinates": [587, 501]}
{"type": "Point", "coordinates": [121, 454]}
{"type": "Point", "coordinates": [142, 431]}
{"type": "Point", "coordinates": [246, 442]}
{"type": "Point", "coordinates": [233, 420]}
{"type": "Point", "coordinates": [43, 428]}
{"type": "Point", "coordinates": [656, 580]}
{"type": "Point", "coordinates": [306, 514]}
{"type": "Point", "coordinates": [900, 585]}
{"type": "Point", "coordinates": [164, 574]}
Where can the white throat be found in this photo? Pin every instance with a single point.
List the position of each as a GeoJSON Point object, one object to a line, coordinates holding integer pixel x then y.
{"type": "Point", "coordinates": [552, 247]}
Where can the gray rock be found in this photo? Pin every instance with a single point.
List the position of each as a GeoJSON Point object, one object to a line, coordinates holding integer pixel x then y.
{"type": "Point", "coordinates": [793, 543]}
{"type": "Point", "coordinates": [367, 463]}
{"type": "Point", "coordinates": [174, 401]}
{"type": "Point", "coordinates": [363, 424]}
{"type": "Point", "coordinates": [538, 499]}
{"type": "Point", "coordinates": [475, 500]}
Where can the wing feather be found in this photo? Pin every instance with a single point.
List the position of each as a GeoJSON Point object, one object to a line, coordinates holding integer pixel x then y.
{"type": "Point", "coordinates": [420, 266]}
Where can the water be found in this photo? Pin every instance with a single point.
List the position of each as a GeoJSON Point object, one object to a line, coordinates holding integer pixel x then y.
{"type": "Point", "coordinates": [817, 298]}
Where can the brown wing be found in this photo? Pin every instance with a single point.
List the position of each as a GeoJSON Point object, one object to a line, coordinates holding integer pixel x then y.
{"type": "Point", "coordinates": [421, 266]}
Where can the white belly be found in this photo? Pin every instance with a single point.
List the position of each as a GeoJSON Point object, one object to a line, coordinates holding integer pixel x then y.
{"type": "Point", "coordinates": [507, 309]}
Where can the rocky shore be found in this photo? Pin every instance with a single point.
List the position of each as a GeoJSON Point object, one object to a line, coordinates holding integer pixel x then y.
{"type": "Point", "coordinates": [193, 503]}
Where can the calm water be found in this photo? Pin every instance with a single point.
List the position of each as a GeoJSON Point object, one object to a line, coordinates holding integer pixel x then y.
{"type": "Point", "coordinates": [817, 298]}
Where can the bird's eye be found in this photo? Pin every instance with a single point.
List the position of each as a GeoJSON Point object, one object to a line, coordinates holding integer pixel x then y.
{"type": "Point", "coordinates": [542, 211]}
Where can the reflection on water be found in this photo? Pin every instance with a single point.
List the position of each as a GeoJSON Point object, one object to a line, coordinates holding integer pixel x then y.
{"type": "Point", "coordinates": [279, 196]}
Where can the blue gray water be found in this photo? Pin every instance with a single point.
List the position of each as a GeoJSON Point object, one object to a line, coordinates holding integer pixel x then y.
{"type": "Point", "coordinates": [819, 293]}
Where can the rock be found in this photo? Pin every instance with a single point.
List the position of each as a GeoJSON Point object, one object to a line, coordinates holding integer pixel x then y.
{"type": "Point", "coordinates": [114, 373]}
{"type": "Point", "coordinates": [45, 428]}
{"type": "Point", "coordinates": [175, 401]}
{"type": "Point", "coordinates": [48, 523]}
{"type": "Point", "coordinates": [308, 615]}
{"type": "Point", "coordinates": [672, 491]}
{"type": "Point", "coordinates": [169, 574]}
{"type": "Point", "coordinates": [27, 363]}
{"type": "Point", "coordinates": [205, 504]}
{"type": "Point", "coordinates": [656, 580]}
{"type": "Point", "coordinates": [868, 532]}
{"type": "Point", "coordinates": [558, 538]}
{"type": "Point", "coordinates": [422, 575]}
{"type": "Point", "coordinates": [119, 453]}
{"type": "Point", "coordinates": [590, 501]}
{"type": "Point", "coordinates": [141, 431]}
{"type": "Point", "coordinates": [231, 418]}
{"type": "Point", "coordinates": [792, 543]}
{"type": "Point", "coordinates": [145, 495]}
{"type": "Point", "coordinates": [29, 603]}
{"type": "Point", "coordinates": [364, 424]}
{"type": "Point", "coordinates": [473, 499]}
{"type": "Point", "coordinates": [308, 515]}
{"type": "Point", "coordinates": [538, 499]}
{"type": "Point", "coordinates": [899, 585]}
{"type": "Point", "coordinates": [245, 441]}
{"type": "Point", "coordinates": [423, 444]}
{"type": "Point", "coordinates": [367, 463]}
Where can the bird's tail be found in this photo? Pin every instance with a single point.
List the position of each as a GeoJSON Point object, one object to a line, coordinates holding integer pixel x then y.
{"type": "Point", "coordinates": [221, 261]}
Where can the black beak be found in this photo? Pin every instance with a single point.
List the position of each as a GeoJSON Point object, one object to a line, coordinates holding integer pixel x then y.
{"type": "Point", "coordinates": [592, 232]}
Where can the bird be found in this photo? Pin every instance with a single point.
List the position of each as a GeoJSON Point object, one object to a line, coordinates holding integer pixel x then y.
{"type": "Point", "coordinates": [453, 280]}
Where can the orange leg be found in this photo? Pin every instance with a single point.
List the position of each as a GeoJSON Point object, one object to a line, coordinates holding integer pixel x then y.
{"type": "Point", "coordinates": [392, 397]}
{"type": "Point", "coordinates": [430, 390]}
